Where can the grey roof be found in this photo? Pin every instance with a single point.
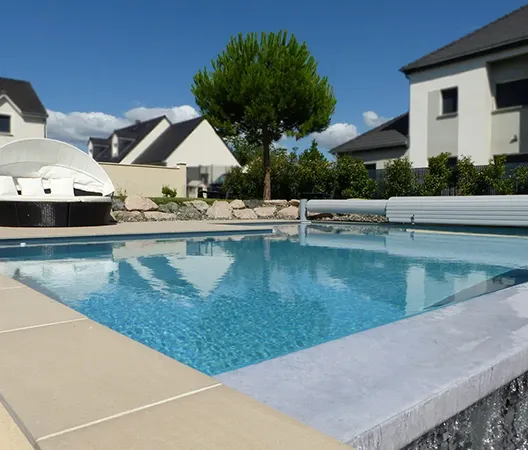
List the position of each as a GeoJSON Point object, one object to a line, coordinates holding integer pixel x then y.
{"type": "Point", "coordinates": [509, 31]}
{"type": "Point", "coordinates": [393, 133]}
{"type": "Point", "coordinates": [24, 96]}
{"type": "Point", "coordinates": [171, 138]}
{"type": "Point", "coordinates": [135, 132]}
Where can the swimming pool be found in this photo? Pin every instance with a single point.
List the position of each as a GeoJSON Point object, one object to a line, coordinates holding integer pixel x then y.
{"type": "Point", "coordinates": [226, 302]}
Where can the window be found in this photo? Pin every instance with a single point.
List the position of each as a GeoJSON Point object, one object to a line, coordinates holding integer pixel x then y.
{"type": "Point", "coordinates": [5, 124]}
{"type": "Point", "coordinates": [450, 101]}
{"type": "Point", "coordinates": [514, 93]}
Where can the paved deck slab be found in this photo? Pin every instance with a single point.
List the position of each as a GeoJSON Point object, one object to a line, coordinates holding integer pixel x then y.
{"type": "Point", "coordinates": [66, 375]}
{"type": "Point", "coordinates": [132, 228]}
{"type": "Point", "coordinates": [217, 419]}
{"type": "Point", "coordinates": [11, 437]}
{"type": "Point", "coordinates": [24, 307]}
{"type": "Point", "coordinates": [9, 283]}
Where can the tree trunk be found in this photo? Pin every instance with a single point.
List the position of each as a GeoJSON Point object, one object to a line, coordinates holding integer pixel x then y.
{"type": "Point", "coordinates": [267, 167]}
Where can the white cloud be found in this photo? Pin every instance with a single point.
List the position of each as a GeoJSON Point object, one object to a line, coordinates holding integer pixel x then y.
{"type": "Point", "coordinates": [335, 134]}
{"type": "Point", "coordinates": [77, 127]}
{"type": "Point", "coordinates": [372, 119]}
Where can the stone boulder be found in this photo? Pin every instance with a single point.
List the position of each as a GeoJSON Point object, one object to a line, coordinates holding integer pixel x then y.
{"type": "Point", "coordinates": [139, 203]}
{"type": "Point", "coordinates": [244, 214]}
{"type": "Point", "coordinates": [170, 207]}
{"type": "Point", "coordinates": [188, 212]}
{"type": "Point", "coordinates": [221, 210]}
{"type": "Point", "coordinates": [199, 205]}
{"type": "Point", "coordinates": [275, 203]}
{"type": "Point", "coordinates": [294, 202]}
{"type": "Point", "coordinates": [157, 216]}
{"type": "Point", "coordinates": [291, 212]}
{"type": "Point", "coordinates": [265, 212]}
{"type": "Point", "coordinates": [237, 204]}
{"type": "Point", "coordinates": [118, 205]}
{"type": "Point", "coordinates": [128, 216]}
{"type": "Point", "coordinates": [252, 204]}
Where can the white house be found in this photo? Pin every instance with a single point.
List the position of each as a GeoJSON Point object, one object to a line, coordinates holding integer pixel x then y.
{"type": "Point", "coordinates": [160, 142]}
{"type": "Point", "coordinates": [22, 114]}
{"type": "Point", "coordinates": [469, 98]}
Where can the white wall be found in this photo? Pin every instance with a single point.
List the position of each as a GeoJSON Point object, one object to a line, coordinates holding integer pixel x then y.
{"type": "Point", "coordinates": [147, 141]}
{"type": "Point", "coordinates": [475, 105]}
{"type": "Point", "coordinates": [21, 127]}
{"type": "Point", "coordinates": [203, 147]}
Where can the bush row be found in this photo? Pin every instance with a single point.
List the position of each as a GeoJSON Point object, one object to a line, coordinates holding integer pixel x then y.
{"type": "Point", "coordinates": [294, 176]}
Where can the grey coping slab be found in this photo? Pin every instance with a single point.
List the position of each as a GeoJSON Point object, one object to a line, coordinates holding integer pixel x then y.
{"type": "Point", "coordinates": [385, 387]}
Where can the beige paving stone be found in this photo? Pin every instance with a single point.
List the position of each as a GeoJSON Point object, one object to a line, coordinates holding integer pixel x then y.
{"type": "Point", "coordinates": [217, 419]}
{"type": "Point", "coordinates": [8, 283]}
{"type": "Point", "coordinates": [24, 307]}
{"type": "Point", "coordinates": [129, 228]}
{"type": "Point", "coordinates": [11, 437]}
{"type": "Point", "coordinates": [63, 376]}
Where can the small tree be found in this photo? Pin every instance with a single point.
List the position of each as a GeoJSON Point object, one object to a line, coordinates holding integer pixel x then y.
{"type": "Point", "coordinates": [264, 88]}
{"type": "Point", "coordinates": [352, 179]}
{"type": "Point", "coordinates": [437, 178]}
{"type": "Point", "coordinates": [315, 171]}
{"type": "Point", "coordinates": [400, 180]}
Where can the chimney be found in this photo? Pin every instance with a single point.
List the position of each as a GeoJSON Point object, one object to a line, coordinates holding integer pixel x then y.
{"type": "Point", "coordinates": [138, 121]}
{"type": "Point", "coordinates": [114, 149]}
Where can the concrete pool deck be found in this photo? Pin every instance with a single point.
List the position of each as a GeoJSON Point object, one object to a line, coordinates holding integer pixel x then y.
{"type": "Point", "coordinates": [67, 382]}
{"type": "Point", "coordinates": [70, 383]}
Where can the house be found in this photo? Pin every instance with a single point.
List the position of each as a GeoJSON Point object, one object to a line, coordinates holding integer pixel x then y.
{"type": "Point", "coordinates": [22, 114]}
{"type": "Point", "coordinates": [159, 142]}
{"type": "Point", "coordinates": [379, 145]}
{"type": "Point", "coordinates": [469, 98]}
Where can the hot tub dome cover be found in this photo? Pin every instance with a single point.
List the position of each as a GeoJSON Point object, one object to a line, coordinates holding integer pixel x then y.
{"type": "Point", "coordinates": [51, 159]}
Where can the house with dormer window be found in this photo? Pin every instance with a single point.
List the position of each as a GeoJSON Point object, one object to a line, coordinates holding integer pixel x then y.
{"type": "Point", "coordinates": [22, 114]}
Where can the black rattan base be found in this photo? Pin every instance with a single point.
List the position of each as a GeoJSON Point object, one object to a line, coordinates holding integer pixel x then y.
{"type": "Point", "coordinates": [53, 214]}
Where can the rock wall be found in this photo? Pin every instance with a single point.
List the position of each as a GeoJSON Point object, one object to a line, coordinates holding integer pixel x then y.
{"type": "Point", "coordinates": [139, 209]}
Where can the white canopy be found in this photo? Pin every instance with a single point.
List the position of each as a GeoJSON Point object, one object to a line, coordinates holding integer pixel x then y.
{"type": "Point", "coordinates": [50, 159]}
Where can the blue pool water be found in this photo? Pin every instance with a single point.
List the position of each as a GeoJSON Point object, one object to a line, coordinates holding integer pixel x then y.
{"type": "Point", "coordinates": [218, 304]}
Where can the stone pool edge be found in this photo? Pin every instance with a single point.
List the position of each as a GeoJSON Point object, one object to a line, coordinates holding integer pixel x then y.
{"type": "Point", "coordinates": [402, 388]}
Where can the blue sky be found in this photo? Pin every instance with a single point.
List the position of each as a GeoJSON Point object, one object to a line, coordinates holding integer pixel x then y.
{"type": "Point", "coordinates": [109, 62]}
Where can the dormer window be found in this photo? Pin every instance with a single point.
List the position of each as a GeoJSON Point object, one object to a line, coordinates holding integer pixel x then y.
{"type": "Point", "coordinates": [5, 124]}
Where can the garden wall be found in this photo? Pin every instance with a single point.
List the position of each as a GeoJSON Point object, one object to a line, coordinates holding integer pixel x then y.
{"type": "Point", "coordinates": [146, 180]}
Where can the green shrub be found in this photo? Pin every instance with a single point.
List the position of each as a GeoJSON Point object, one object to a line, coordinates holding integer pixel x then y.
{"type": "Point", "coordinates": [466, 176]}
{"type": "Point", "coordinates": [437, 178]}
{"type": "Point", "coordinates": [493, 180]}
{"type": "Point", "coordinates": [521, 179]}
{"type": "Point", "coordinates": [247, 183]}
{"type": "Point", "coordinates": [168, 192]}
{"type": "Point", "coordinates": [400, 180]}
{"type": "Point", "coordinates": [351, 179]}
